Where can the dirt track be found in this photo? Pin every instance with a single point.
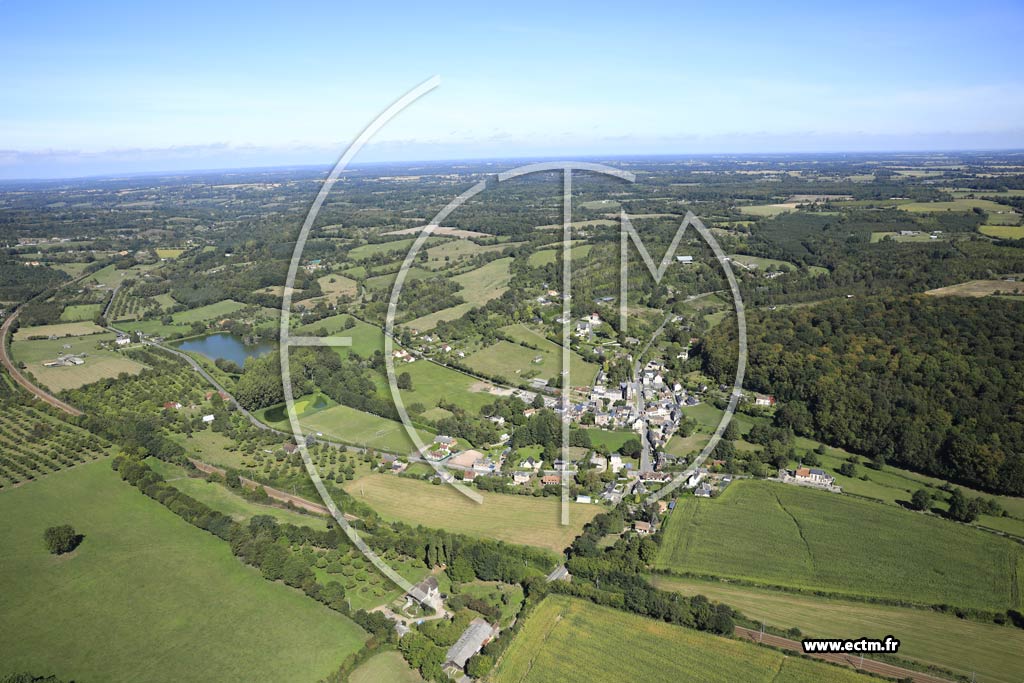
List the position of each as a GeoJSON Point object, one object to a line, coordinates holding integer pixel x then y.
{"type": "Point", "coordinates": [869, 665]}
{"type": "Point", "coordinates": [20, 379]}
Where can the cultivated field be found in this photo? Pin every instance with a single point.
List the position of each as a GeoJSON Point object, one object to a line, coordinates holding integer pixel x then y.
{"type": "Point", "coordinates": [570, 639]}
{"type": "Point", "coordinates": [515, 519]}
{"type": "Point", "coordinates": [150, 582]}
{"type": "Point", "coordinates": [99, 363]}
{"type": "Point", "coordinates": [996, 653]}
{"type": "Point", "coordinates": [812, 540]}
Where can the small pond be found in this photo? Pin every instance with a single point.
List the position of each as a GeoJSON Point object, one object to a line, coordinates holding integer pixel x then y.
{"type": "Point", "coordinates": [226, 346]}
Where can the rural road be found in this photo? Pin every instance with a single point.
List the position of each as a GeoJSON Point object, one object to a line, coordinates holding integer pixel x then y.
{"type": "Point", "coordinates": [869, 665]}
{"type": "Point", "coordinates": [8, 363]}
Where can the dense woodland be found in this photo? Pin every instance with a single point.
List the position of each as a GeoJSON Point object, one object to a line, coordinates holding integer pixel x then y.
{"type": "Point", "coordinates": [932, 384]}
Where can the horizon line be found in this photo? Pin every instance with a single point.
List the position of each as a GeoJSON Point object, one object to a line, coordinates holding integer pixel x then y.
{"type": "Point", "coordinates": [326, 166]}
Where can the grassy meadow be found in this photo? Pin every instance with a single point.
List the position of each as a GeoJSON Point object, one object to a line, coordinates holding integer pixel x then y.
{"type": "Point", "coordinates": [362, 429]}
{"type": "Point", "coordinates": [515, 519]}
{"type": "Point", "coordinates": [145, 581]}
{"type": "Point", "coordinates": [387, 666]}
{"type": "Point", "coordinates": [570, 639]}
{"type": "Point", "coordinates": [805, 539]}
{"type": "Point", "coordinates": [996, 653]}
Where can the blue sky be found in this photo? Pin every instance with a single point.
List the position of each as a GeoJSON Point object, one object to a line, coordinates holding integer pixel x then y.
{"type": "Point", "coordinates": [111, 87]}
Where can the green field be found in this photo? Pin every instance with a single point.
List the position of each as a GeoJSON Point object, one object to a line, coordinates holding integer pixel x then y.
{"type": "Point", "coordinates": [169, 253]}
{"type": "Point", "coordinates": [220, 309]}
{"type": "Point", "coordinates": [77, 312]}
{"type": "Point", "coordinates": [363, 429]}
{"type": "Point", "coordinates": [387, 666]}
{"type": "Point", "coordinates": [806, 539]}
{"type": "Point", "coordinates": [368, 250]}
{"type": "Point", "coordinates": [890, 484]}
{"type": "Point", "coordinates": [515, 519]}
{"type": "Point", "coordinates": [1007, 232]}
{"type": "Point", "coordinates": [453, 251]}
{"type": "Point", "coordinates": [145, 581]}
{"type": "Point", "coordinates": [515, 362]}
{"type": "Point", "coordinates": [767, 210]}
{"type": "Point", "coordinates": [612, 440]}
{"type": "Point", "coordinates": [366, 338]}
{"type": "Point", "coordinates": [964, 646]}
{"type": "Point", "coordinates": [569, 639]}
{"type": "Point", "coordinates": [546, 256]}
{"type": "Point", "coordinates": [998, 214]}
{"type": "Point", "coordinates": [760, 263]}
{"type": "Point", "coordinates": [73, 329]}
{"type": "Point", "coordinates": [432, 383]}
{"type": "Point", "coordinates": [99, 363]}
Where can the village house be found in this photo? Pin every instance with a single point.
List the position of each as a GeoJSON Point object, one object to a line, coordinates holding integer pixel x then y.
{"type": "Point", "coordinates": [549, 479]}
{"type": "Point", "coordinates": [814, 476]}
{"type": "Point", "coordinates": [615, 462]}
{"type": "Point", "coordinates": [521, 477]}
{"type": "Point", "coordinates": [289, 447]}
{"type": "Point", "coordinates": [531, 464]}
{"type": "Point", "coordinates": [208, 418]}
{"type": "Point", "coordinates": [703, 491]}
{"type": "Point", "coordinates": [764, 400]}
{"type": "Point", "coordinates": [427, 593]}
{"type": "Point", "coordinates": [469, 475]}
{"type": "Point", "coordinates": [643, 528]}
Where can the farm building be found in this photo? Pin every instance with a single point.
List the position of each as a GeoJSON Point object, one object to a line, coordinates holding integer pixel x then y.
{"type": "Point", "coordinates": [477, 634]}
